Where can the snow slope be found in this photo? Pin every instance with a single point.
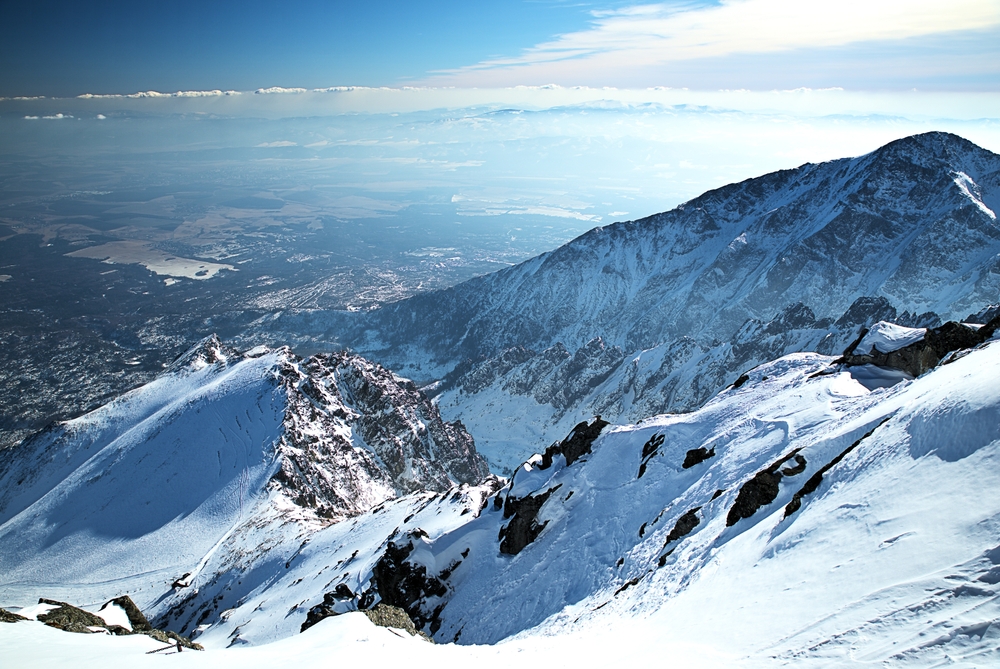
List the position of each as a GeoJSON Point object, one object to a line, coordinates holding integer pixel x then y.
{"type": "Point", "coordinates": [894, 548]}
{"type": "Point", "coordinates": [142, 493]}
{"type": "Point", "coordinates": [878, 543]}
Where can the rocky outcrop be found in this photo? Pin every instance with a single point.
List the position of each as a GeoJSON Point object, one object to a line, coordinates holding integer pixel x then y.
{"type": "Point", "coordinates": [136, 618]}
{"type": "Point", "coordinates": [760, 490]}
{"type": "Point", "coordinates": [356, 434]}
{"type": "Point", "coordinates": [696, 456]}
{"type": "Point", "coordinates": [523, 527]}
{"type": "Point", "coordinates": [813, 482]}
{"type": "Point", "coordinates": [684, 525]}
{"type": "Point", "coordinates": [69, 618]}
{"type": "Point", "coordinates": [10, 617]}
{"type": "Point", "coordinates": [407, 586]}
{"type": "Point", "coordinates": [384, 615]}
{"type": "Point", "coordinates": [576, 445]}
{"type": "Point", "coordinates": [924, 355]}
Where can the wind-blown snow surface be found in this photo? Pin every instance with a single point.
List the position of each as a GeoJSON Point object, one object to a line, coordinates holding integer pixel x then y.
{"type": "Point", "coordinates": [892, 554]}
{"type": "Point", "coordinates": [906, 519]}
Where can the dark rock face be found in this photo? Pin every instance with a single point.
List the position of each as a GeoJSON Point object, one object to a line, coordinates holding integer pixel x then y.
{"type": "Point", "coordinates": [523, 527]}
{"type": "Point", "coordinates": [72, 619]}
{"type": "Point", "coordinates": [924, 355]}
{"type": "Point", "coordinates": [10, 617]}
{"type": "Point", "coordinates": [135, 617]}
{"type": "Point", "coordinates": [649, 450]}
{"type": "Point", "coordinates": [384, 615]}
{"type": "Point", "coordinates": [409, 446]}
{"type": "Point", "coordinates": [577, 444]}
{"type": "Point", "coordinates": [867, 310]}
{"type": "Point", "coordinates": [69, 618]}
{"type": "Point", "coordinates": [759, 491]}
{"type": "Point", "coordinates": [696, 456]}
{"type": "Point", "coordinates": [684, 525]}
{"type": "Point", "coordinates": [813, 482]}
{"type": "Point", "coordinates": [341, 598]}
{"type": "Point", "coordinates": [407, 586]}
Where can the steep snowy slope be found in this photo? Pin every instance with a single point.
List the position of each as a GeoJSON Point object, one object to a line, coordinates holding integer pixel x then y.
{"type": "Point", "coordinates": [141, 493]}
{"type": "Point", "coordinates": [840, 512]}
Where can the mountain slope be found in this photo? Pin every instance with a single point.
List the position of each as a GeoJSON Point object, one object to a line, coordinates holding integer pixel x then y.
{"type": "Point", "coordinates": [801, 517]}
{"type": "Point", "coordinates": [144, 489]}
{"type": "Point", "coordinates": [913, 221]}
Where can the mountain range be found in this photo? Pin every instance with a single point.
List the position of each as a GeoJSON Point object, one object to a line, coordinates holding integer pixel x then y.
{"type": "Point", "coordinates": [825, 499]}
{"type": "Point", "coordinates": [657, 315]}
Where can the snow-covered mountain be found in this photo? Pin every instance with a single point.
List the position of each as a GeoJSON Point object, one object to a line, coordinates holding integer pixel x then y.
{"type": "Point", "coordinates": [913, 222]}
{"type": "Point", "coordinates": [148, 486]}
{"type": "Point", "coordinates": [825, 507]}
{"type": "Point", "coordinates": [655, 315]}
{"type": "Point", "coordinates": [816, 513]}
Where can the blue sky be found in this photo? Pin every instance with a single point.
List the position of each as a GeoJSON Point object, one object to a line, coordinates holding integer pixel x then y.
{"type": "Point", "coordinates": [63, 49]}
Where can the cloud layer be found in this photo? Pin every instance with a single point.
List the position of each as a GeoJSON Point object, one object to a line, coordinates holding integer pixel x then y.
{"type": "Point", "coordinates": [646, 37]}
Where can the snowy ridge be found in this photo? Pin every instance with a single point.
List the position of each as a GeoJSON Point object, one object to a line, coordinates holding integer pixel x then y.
{"type": "Point", "coordinates": [893, 223]}
{"type": "Point", "coordinates": [799, 517]}
{"type": "Point", "coordinates": [884, 497]}
{"type": "Point", "coordinates": [146, 491]}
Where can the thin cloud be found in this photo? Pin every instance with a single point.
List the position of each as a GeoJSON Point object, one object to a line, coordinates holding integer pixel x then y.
{"type": "Point", "coordinates": [273, 145]}
{"type": "Point", "coordinates": [157, 94]}
{"type": "Point", "coordinates": [659, 34]}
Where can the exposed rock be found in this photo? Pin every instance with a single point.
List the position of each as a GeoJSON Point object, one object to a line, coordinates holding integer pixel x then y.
{"type": "Point", "coordinates": [865, 311]}
{"type": "Point", "coordinates": [798, 468]}
{"type": "Point", "coordinates": [759, 491]}
{"type": "Point", "coordinates": [135, 617]}
{"type": "Point", "coordinates": [922, 356]}
{"type": "Point", "coordinates": [404, 445]}
{"type": "Point", "coordinates": [405, 585]}
{"type": "Point", "coordinates": [743, 378]}
{"type": "Point", "coordinates": [649, 449]}
{"type": "Point", "coordinates": [696, 456]}
{"type": "Point", "coordinates": [523, 527]}
{"type": "Point", "coordinates": [69, 618]}
{"type": "Point", "coordinates": [385, 615]}
{"type": "Point", "coordinates": [684, 525]}
{"type": "Point", "coordinates": [335, 603]}
{"type": "Point", "coordinates": [577, 444]}
{"type": "Point", "coordinates": [10, 617]}
{"type": "Point", "coordinates": [72, 619]}
{"type": "Point", "coordinates": [166, 636]}
{"type": "Point", "coordinates": [813, 482]}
